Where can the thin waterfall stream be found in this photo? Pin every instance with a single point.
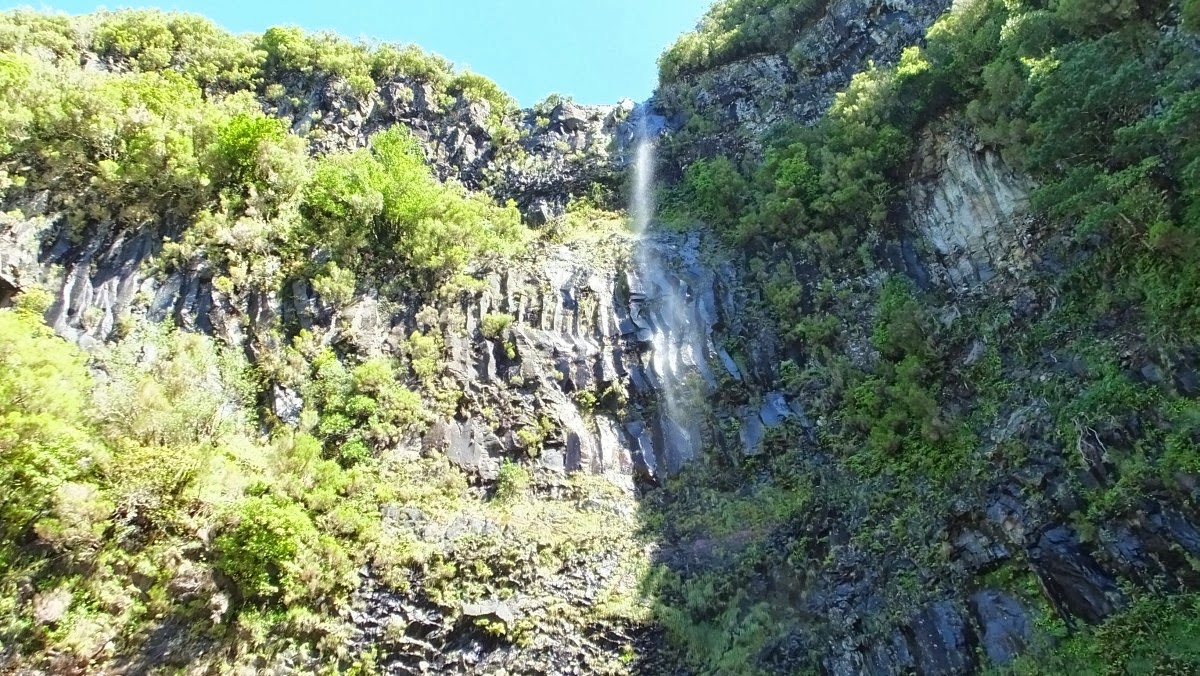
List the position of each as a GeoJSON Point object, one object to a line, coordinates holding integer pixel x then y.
{"type": "Point", "coordinates": [671, 318]}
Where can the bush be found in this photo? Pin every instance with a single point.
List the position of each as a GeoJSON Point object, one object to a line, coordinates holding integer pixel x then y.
{"type": "Point", "coordinates": [151, 40]}
{"type": "Point", "coordinates": [384, 202]}
{"type": "Point", "coordinates": [511, 482]}
{"type": "Point", "coordinates": [494, 324]}
{"type": "Point", "coordinates": [1191, 15]}
{"type": "Point", "coordinates": [263, 547]}
{"type": "Point", "coordinates": [733, 29]}
{"type": "Point", "coordinates": [714, 190]}
{"type": "Point", "coordinates": [46, 438]}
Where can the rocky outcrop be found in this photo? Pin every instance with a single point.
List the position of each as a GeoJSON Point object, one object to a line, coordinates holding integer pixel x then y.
{"type": "Point", "coordinates": [749, 96]}
{"type": "Point", "coordinates": [537, 157]}
{"type": "Point", "coordinates": [600, 338]}
{"type": "Point", "coordinates": [970, 209]}
{"type": "Point", "coordinates": [19, 244]}
{"type": "Point", "coordinates": [600, 332]}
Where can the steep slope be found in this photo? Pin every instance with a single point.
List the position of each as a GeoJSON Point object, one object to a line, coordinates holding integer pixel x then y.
{"type": "Point", "coordinates": [347, 407]}
{"type": "Point", "coordinates": [368, 375]}
{"type": "Point", "coordinates": [978, 261]}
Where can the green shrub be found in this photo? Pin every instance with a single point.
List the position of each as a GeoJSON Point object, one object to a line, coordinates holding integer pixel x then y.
{"type": "Point", "coordinates": [732, 29]}
{"type": "Point", "coordinates": [46, 438]}
{"type": "Point", "coordinates": [511, 482]}
{"type": "Point", "coordinates": [1191, 15]}
{"type": "Point", "coordinates": [151, 40]}
{"type": "Point", "coordinates": [384, 202]}
{"type": "Point", "coordinates": [494, 324]}
{"type": "Point", "coordinates": [714, 190]}
{"type": "Point", "coordinates": [263, 547]}
{"type": "Point", "coordinates": [23, 30]}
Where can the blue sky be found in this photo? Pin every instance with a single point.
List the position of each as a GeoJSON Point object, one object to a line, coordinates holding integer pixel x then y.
{"type": "Point", "coordinates": [597, 51]}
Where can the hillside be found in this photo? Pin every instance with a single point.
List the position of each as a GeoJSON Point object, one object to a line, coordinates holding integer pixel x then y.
{"type": "Point", "coordinates": [866, 346]}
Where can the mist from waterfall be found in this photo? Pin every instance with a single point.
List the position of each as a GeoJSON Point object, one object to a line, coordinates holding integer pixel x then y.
{"type": "Point", "coordinates": [667, 314]}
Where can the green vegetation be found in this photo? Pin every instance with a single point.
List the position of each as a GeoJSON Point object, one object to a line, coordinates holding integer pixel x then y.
{"type": "Point", "coordinates": [1153, 635]}
{"type": "Point", "coordinates": [154, 488]}
{"type": "Point", "coordinates": [383, 207]}
{"type": "Point", "coordinates": [201, 153]}
{"type": "Point", "coordinates": [733, 29]}
{"type": "Point", "coordinates": [1098, 104]}
{"type": "Point", "coordinates": [154, 491]}
{"type": "Point", "coordinates": [494, 324]}
{"type": "Point", "coordinates": [512, 482]}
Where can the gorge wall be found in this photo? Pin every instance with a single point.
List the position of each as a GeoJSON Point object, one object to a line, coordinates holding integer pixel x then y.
{"type": "Point", "coordinates": [901, 446]}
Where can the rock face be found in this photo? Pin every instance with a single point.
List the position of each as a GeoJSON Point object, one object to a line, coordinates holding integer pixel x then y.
{"type": "Point", "coordinates": [621, 325]}
{"type": "Point", "coordinates": [537, 157]}
{"type": "Point", "coordinates": [19, 245]}
{"type": "Point", "coordinates": [970, 208]}
{"type": "Point", "coordinates": [747, 97]}
{"type": "Point", "coordinates": [617, 344]}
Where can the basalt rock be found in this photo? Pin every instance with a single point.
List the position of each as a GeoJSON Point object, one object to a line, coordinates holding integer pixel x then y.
{"type": "Point", "coordinates": [970, 209]}
{"type": "Point", "coordinates": [748, 97]}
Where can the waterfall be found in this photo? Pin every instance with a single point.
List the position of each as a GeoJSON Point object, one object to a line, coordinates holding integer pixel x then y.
{"type": "Point", "coordinates": [641, 207]}
{"type": "Point", "coordinates": [671, 316]}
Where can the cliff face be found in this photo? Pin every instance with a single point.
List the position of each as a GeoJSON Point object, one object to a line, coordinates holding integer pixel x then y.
{"type": "Point", "coordinates": [1016, 539]}
{"type": "Point", "coordinates": [746, 98]}
{"type": "Point", "coordinates": [642, 358]}
{"type": "Point", "coordinates": [536, 157]}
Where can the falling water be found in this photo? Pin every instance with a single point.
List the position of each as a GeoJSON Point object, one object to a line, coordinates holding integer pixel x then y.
{"type": "Point", "coordinates": [668, 313]}
{"type": "Point", "coordinates": [642, 207]}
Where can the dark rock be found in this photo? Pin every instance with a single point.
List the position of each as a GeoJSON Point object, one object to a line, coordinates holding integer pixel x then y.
{"type": "Point", "coordinates": [1151, 373]}
{"type": "Point", "coordinates": [1072, 579]}
{"type": "Point", "coordinates": [1005, 626]}
{"type": "Point", "coordinates": [891, 656]}
{"type": "Point", "coordinates": [570, 117]}
{"type": "Point", "coordinates": [1153, 547]}
{"type": "Point", "coordinates": [466, 445]}
{"type": "Point", "coordinates": [978, 550]}
{"type": "Point", "coordinates": [942, 641]}
{"type": "Point", "coordinates": [751, 433]}
{"type": "Point", "coordinates": [1187, 381]}
{"type": "Point", "coordinates": [774, 410]}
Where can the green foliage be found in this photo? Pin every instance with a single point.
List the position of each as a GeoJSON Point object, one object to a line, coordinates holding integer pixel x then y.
{"type": "Point", "coordinates": [713, 189]}
{"type": "Point", "coordinates": [290, 50]}
{"type": "Point", "coordinates": [23, 30]}
{"type": "Point", "coordinates": [392, 61]}
{"type": "Point", "coordinates": [477, 88]}
{"type": "Point", "coordinates": [383, 206]}
{"type": "Point", "coordinates": [494, 324]}
{"type": "Point", "coordinates": [511, 482]}
{"type": "Point", "coordinates": [101, 162]}
{"type": "Point", "coordinates": [1153, 635]}
{"type": "Point", "coordinates": [361, 410]}
{"type": "Point", "coordinates": [901, 327]}
{"type": "Point", "coordinates": [263, 545]}
{"type": "Point", "coordinates": [1191, 15]}
{"type": "Point", "coordinates": [732, 29]}
{"type": "Point", "coordinates": [45, 430]}
{"type": "Point", "coordinates": [151, 40]}
{"type": "Point", "coordinates": [242, 152]}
